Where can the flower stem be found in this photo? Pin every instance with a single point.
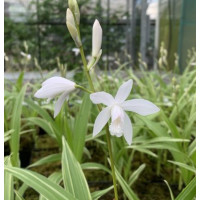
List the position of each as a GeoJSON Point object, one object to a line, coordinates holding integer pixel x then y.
{"type": "Point", "coordinates": [85, 69]}
{"type": "Point", "coordinates": [84, 89]}
{"type": "Point", "coordinates": [111, 162]}
{"type": "Point", "coordinates": [107, 129]}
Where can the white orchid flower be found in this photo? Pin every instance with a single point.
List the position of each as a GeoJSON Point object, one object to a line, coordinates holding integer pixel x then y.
{"type": "Point", "coordinates": [116, 107]}
{"type": "Point", "coordinates": [53, 87]}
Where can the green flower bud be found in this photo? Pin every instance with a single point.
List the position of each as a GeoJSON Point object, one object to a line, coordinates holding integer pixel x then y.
{"type": "Point", "coordinates": [72, 27]}
{"type": "Point", "coordinates": [73, 6]}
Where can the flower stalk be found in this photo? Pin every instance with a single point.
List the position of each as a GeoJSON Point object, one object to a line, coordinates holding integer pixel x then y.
{"type": "Point", "coordinates": [84, 89]}
{"type": "Point", "coordinates": [111, 162]}
{"type": "Point", "coordinates": [107, 129]}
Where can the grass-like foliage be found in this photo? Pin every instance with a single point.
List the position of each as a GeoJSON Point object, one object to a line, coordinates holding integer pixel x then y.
{"type": "Point", "coordinates": [165, 139]}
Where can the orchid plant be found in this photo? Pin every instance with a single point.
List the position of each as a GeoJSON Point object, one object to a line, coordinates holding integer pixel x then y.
{"type": "Point", "coordinates": [116, 107]}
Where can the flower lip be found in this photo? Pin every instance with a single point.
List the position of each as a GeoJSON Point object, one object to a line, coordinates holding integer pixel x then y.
{"type": "Point", "coordinates": [117, 116]}
{"type": "Point", "coordinates": [117, 113]}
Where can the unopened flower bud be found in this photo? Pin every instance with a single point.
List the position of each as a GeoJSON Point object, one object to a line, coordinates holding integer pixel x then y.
{"type": "Point", "coordinates": [72, 27]}
{"type": "Point", "coordinates": [73, 6]}
{"type": "Point", "coordinates": [96, 38]}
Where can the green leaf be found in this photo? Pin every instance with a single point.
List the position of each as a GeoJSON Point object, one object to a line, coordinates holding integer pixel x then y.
{"type": "Point", "coordinates": [189, 192]}
{"type": "Point", "coordinates": [190, 168]}
{"type": "Point", "coordinates": [22, 190]}
{"type": "Point", "coordinates": [171, 126]}
{"type": "Point", "coordinates": [73, 177]}
{"type": "Point", "coordinates": [134, 176]}
{"type": "Point", "coordinates": [47, 119]}
{"type": "Point", "coordinates": [165, 139]}
{"type": "Point", "coordinates": [19, 81]}
{"type": "Point", "coordinates": [41, 184]}
{"type": "Point", "coordinates": [94, 166]}
{"type": "Point", "coordinates": [47, 159]}
{"type": "Point", "coordinates": [7, 135]}
{"type": "Point", "coordinates": [8, 181]}
{"type": "Point", "coordinates": [155, 127]}
{"type": "Point", "coordinates": [96, 195]}
{"type": "Point", "coordinates": [80, 127]}
{"type": "Point", "coordinates": [18, 196]}
{"type": "Point", "coordinates": [44, 124]}
{"type": "Point", "coordinates": [56, 177]}
{"type": "Point", "coordinates": [142, 149]}
{"type": "Point", "coordinates": [125, 187]}
{"type": "Point", "coordinates": [16, 126]}
{"type": "Point", "coordinates": [170, 191]}
{"type": "Point", "coordinates": [42, 112]}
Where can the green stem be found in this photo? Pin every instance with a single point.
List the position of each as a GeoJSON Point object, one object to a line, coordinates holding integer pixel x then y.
{"type": "Point", "coordinates": [111, 162]}
{"type": "Point", "coordinates": [82, 88]}
{"type": "Point", "coordinates": [85, 69]}
{"type": "Point", "coordinates": [107, 130]}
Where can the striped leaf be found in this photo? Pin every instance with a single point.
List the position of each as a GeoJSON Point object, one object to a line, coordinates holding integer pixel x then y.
{"type": "Point", "coordinates": [8, 181]}
{"type": "Point", "coordinates": [183, 165]}
{"type": "Point", "coordinates": [96, 195]}
{"type": "Point", "coordinates": [189, 192]}
{"type": "Point", "coordinates": [125, 187]}
{"type": "Point", "coordinates": [18, 196]}
{"type": "Point", "coordinates": [73, 177]}
{"type": "Point", "coordinates": [56, 177]}
{"type": "Point", "coordinates": [41, 184]}
{"type": "Point", "coordinates": [16, 126]}
{"type": "Point", "coordinates": [48, 159]}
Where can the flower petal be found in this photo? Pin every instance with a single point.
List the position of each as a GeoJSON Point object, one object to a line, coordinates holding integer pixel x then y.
{"type": "Point", "coordinates": [128, 129]}
{"type": "Point", "coordinates": [59, 103]}
{"type": "Point", "coordinates": [140, 106]}
{"type": "Point", "coordinates": [50, 91]}
{"type": "Point", "coordinates": [102, 97]}
{"type": "Point", "coordinates": [54, 86]}
{"type": "Point", "coordinates": [101, 120]}
{"type": "Point", "coordinates": [58, 80]}
{"type": "Point", "coordinates": [124, 91]}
